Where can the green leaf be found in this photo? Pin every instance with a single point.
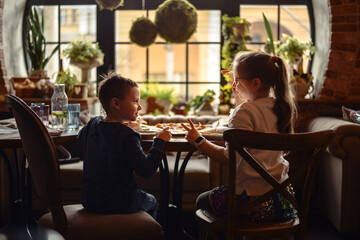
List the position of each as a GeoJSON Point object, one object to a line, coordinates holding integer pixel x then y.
{"type": "Point", "coordinates": [269, 33]}
{"type": "Point", "coordinates": [52, 53]}
{"type": "Point", "coordinates": [35, 40]}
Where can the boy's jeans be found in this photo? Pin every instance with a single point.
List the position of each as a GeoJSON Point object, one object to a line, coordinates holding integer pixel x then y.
{"type": "Point", "coordinates": [146, 202]}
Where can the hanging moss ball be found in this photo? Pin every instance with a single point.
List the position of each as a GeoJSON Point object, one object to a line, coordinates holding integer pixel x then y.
{"type": "Point", "coordinates": [176, 20]}
{"type": "Point", "coordinates": [143, 32]}
{"type": "Point", "coordinates": [109, 4]}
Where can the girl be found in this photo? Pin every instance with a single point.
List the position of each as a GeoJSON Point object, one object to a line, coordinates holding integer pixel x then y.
{"type": "Point", "coordinates": [264, 104]}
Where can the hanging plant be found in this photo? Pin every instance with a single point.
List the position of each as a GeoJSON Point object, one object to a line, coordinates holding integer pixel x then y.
{"type": "Point", "coordinates": [109, 4]}
{"type": "Point", "coordinates": [176, 20]}
{"type": "Point", "coordinates": [143, 32]}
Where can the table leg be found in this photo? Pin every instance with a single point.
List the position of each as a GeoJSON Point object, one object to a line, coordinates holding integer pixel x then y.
{"type": "Point", "coordinates": [21, 217]}
{"type": "Point", "coordinates": [17, 224]}
{"type": "Point", "coordinates": [171, 213]}
{"type": "Point", "coordinates": [164, 191]}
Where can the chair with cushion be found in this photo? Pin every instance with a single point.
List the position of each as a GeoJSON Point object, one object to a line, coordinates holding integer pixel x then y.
{"type": "Point", "coordinates": [72, 221]}
{"type": "Point", "coordinates": [307, 147]}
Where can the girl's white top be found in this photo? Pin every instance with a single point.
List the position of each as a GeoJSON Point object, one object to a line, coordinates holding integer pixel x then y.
{"type": "Point", "coordinates": [257, 116]}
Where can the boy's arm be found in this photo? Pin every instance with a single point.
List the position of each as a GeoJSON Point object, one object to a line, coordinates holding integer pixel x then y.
{"type": "Point", "coordinates": [143, 165]}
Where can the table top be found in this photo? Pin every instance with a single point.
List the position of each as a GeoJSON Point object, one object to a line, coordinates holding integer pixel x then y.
{"type": "Point", "coordinates": [13, 140]}
{"type": "Point", "coordinates": [176, 143]}
{"type": "Point", "coordinates": [10, 138]}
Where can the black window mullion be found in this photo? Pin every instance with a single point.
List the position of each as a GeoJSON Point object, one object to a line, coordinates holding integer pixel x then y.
{"type": "Point", "coordinates": [105, 36]}
{"type": "Point", "coordinates": [187, 71]}
{"type": "Point", "coordinates": [59, 33]}
{"type": "Point", "coordinates": [278, 22]}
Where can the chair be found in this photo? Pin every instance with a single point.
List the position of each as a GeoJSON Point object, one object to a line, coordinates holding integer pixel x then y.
{"type": "Point", "coordinates": [72, 221]}
{"type": "Point", "coordinates": [307, 147]}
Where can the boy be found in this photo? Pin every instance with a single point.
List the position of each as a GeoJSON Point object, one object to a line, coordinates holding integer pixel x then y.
{"type": "Point", "coordinates": [112, 151]}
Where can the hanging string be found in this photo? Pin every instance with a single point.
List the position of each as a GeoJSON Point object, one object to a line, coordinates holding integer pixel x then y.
{"type": "Point", "coordinates": [143, 4]}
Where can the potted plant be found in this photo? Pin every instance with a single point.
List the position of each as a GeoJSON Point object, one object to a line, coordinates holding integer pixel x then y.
{"type": "Point", "coordinates": [68, 78]}
{"type": "Point", "coordinates": [198, 100]}
{"type": "Point", "coordinates": [35, 45]}
{"type": "Point", "coordinates": [235, 31]}
{"type": "Point", "coordinates": [164, 95]}
{"type": "Point", "coordinates": [85, 55]}
{"type": "Point", "coordinates": [293, 51]}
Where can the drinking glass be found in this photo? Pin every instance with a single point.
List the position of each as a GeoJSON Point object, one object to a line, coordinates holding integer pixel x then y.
{"type": "Point", "coordinates": [73, 116]}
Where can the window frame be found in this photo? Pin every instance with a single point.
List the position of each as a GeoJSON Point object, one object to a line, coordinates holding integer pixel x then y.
{"type": "Point", "coordinates": [106, 35]}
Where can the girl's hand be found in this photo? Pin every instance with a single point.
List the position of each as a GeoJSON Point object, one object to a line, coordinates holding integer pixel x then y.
{"type": "Point", "coordinates": [192, 133]}
{"type": "Point", "coordinates": [164, 134]}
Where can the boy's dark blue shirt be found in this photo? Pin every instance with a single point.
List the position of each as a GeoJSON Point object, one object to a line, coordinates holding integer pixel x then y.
{"type": "Point", "coordinates": [112, 152]}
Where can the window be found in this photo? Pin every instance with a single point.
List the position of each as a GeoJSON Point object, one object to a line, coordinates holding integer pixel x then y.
{"type": "Point", "coordinates": [192, 67]}
{"type": "Point", "coordinates": [63, 24]}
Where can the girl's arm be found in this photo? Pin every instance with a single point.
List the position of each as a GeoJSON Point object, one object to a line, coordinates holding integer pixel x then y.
{"type": "Point", "coordinates": [212, 150]}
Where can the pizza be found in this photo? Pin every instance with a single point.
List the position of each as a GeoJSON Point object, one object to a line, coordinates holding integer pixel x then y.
{"type": "Point", "coordinates": [177, 127]}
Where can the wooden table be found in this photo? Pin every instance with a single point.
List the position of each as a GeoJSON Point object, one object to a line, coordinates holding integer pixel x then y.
{"type": "Point", "coordinates": [170, 213]}
{"type": "Point", "coordinates": [20, 195]}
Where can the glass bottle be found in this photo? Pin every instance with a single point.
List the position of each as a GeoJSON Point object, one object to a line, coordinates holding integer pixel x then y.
{"type": "Point", "coordinates": [59, 102]}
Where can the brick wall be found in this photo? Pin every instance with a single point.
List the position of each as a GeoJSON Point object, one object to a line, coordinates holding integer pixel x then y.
{"type": "Point", "coordinates": [342, 77]}
{"type": "Point", "coordinates": [3, 79]}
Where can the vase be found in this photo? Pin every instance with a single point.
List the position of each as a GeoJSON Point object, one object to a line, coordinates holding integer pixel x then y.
{"type": "Point", "coordinates": [86, 66]}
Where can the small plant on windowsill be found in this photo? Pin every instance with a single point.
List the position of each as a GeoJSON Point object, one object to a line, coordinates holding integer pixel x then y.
{"type": "Point", "coordinates": [68, 78]}
{"type": "Point", "coordinates": [196, 102]}
{"type": "Point", "coordinates": [293, 51]}
{"type": "Point", "coordinates": [162, 95]}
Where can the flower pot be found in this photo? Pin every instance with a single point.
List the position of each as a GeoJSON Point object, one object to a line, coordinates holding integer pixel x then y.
{"type": "Point", "coordinates": [87, 65]}
{"type": "Point", "coordinates": [91, 63]}
{"type": "Point", "coordinates": [149, 105]}
{"type": "Point", "coordinates": [38, 73]}
{"type": "Point", "coordinates": [302, 89]}
{"type": "Point", "coordinates": [239, 30]}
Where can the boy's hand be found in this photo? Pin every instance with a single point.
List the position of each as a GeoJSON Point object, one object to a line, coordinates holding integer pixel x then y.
{"type": "Point", "coordinates": [164, 134]}
{"type": "Point", "coordinates": [192, 133]}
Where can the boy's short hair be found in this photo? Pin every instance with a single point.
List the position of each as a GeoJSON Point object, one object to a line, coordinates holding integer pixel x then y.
{"type": "Point", "coordinates": [114, 85]}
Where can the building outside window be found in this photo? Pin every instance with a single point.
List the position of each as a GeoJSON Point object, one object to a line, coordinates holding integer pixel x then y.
{"type": "Point", "coordinates": [191, 67]}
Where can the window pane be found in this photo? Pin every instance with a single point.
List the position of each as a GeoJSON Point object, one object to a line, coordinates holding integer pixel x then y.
{"type": "Point", "coordinates": [123, 22]}
{"type": "Point", "coordinates": [167, 62]}
{"type": "Point", "coordinates": [253, 14]}
{"type": "Point", "coordinates": [80, 20]}
{"type": "Point", "coordinates": [130, 61]}
{"type": "Point", "coordinates": [208, 26]}
{"type": "Point", "coordinates": [200, 89]}
{"type": "Point", "coordinates": [295, 21]}
{"type": "Point", "coordinates": [179, 89]}
{"type": "Point", "coordinates": [51, 23]}
{"type": "Point", "coordinates": [204, 62]}
{"type": "Point", "coordinates": [53, 65]}
{"type": "Point", "coordinates": [256, 47]}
